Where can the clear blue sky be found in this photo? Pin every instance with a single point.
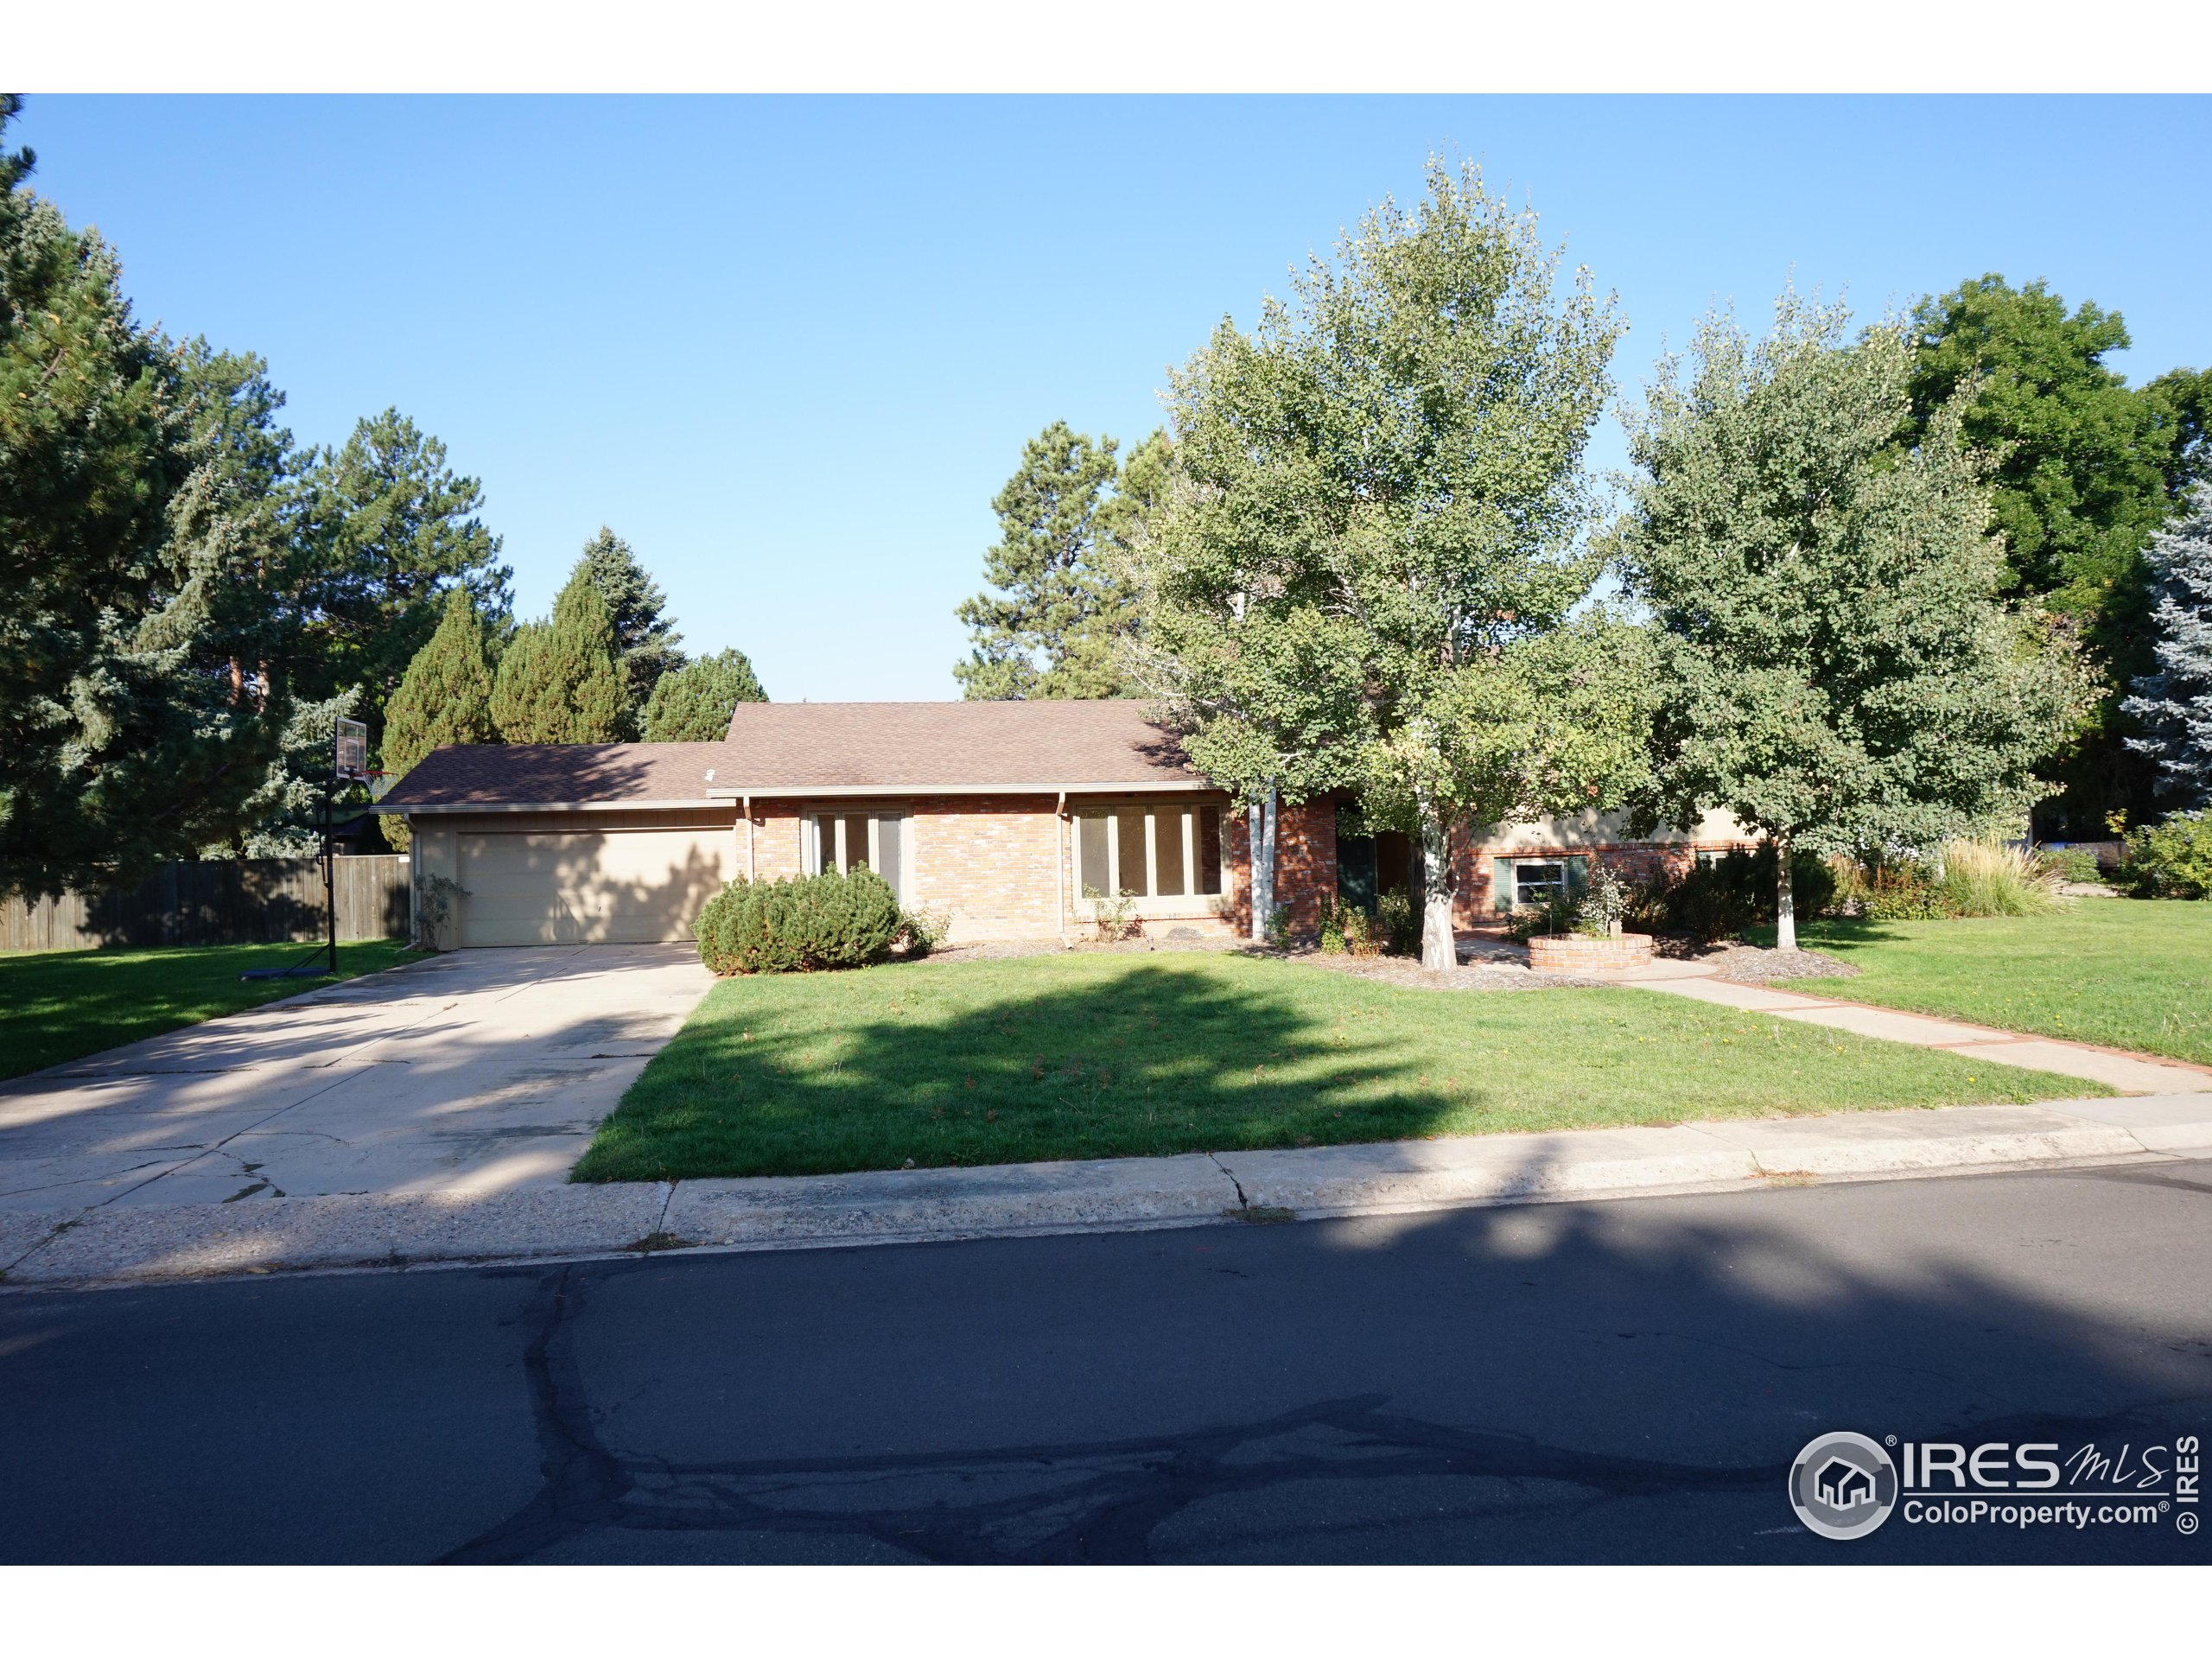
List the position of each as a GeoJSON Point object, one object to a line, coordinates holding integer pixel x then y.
{"type": "Point", "coordinates": [790, 348]}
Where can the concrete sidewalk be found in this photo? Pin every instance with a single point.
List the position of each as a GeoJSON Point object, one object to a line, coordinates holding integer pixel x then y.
{"type": "Point", "coordinates": [135, 1244]}
{"type": "Point", "coordinates": [2134, 1074]}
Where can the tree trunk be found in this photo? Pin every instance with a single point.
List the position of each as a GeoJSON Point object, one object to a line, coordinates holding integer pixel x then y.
{"type": "Point", "coordinates": [1785, 899]}
{"type": "Point", "coordinates": [1263, 863]}
{"type": "Point", "coordinates": [1440, 951]}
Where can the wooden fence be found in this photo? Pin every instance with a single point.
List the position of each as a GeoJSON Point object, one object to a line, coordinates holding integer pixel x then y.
{"type": "Point", "coordinates": [218, 901]}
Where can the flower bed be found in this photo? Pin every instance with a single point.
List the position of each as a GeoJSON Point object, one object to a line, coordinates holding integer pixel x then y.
{"type": "Point", "coordinates": [1577, 953]}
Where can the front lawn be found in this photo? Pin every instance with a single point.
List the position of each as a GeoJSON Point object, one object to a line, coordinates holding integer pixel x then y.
{"type": "Point", "coordinates": [60, 1004]}
{"type": "Point", "coordinates": [1103, 1056]}
{"type": "Point", "coordinates": [2126, 973]}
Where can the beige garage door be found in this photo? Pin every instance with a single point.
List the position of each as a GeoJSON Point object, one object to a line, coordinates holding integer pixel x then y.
{"type": "Point", "coordinates": [633, 886]}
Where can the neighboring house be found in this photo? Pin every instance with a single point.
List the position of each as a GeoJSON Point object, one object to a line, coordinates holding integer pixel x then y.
{"type": "Point", "coordinates": [1004, 815]}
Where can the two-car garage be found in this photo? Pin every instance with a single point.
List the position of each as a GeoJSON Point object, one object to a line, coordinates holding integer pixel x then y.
{"type": "Point", "coordinates": [600, 878]}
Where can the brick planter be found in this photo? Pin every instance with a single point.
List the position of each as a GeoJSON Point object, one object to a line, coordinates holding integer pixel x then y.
{"type": "Point", "coordinates": [1574, 953]}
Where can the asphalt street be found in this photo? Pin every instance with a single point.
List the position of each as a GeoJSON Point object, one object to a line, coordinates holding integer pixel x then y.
{"type": "Point", "coordinates": [1607, 1382]}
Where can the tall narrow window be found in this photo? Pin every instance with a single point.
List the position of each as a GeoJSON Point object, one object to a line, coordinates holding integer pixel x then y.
{"type": "Point", "coordinates": [1168, 829]}
{"type": "Point", "coordinates": [1091, 855]}
{"type": "Point", "coordinates": [1129, 840]}
{"type": "Point", "coordinates": [860, 841]}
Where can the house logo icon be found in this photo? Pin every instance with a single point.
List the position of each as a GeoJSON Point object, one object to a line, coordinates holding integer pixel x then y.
{"type": "Point", "coordinates": [1843, 1485]}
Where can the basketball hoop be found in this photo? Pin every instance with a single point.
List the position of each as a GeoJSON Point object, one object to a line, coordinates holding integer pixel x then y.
{"type": "Point", "coordinates": [351, 760]}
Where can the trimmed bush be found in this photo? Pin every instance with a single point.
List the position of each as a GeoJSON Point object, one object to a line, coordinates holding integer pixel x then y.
{"type": "Point", "coordinates": [800, 924]}
{"type": "Point", "coordinates": [2171, 860]}
{"type": "Point", "coordinates": [1735, 893]}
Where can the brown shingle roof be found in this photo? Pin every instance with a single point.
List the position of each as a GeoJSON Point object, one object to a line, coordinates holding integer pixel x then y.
{"type": "Point", "coordinates": [556, 774]}
{"type": "Point", "coordinates": [785, 746]}
{"type": "Point", "coordinates": [790, 747]}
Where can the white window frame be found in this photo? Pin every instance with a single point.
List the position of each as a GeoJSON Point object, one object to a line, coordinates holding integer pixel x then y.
{"type": "Point", "coordinates": [1516, 865]}
{"type": "Point", "coordinates": [810, 842]}
{"type": "Point", "coordinates": [1151, 903]}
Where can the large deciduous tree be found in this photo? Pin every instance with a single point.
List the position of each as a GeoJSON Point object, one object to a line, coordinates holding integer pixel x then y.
{"type": "Point", "coordinates": [559, 681]}
{"type": "Point", "coordinates": [2174, 702]}
{"type": "Point", "coordinates": [693, 705]}
{"type": "Point", "coordinates": [1838, 668]}
{"type": "Point", "coordinates": [645, 638]}
{"type": "Point", "coordinates": [1066, 518]}
{"type": "Point", "coordinates": [1363, 576]}
{"type": "Point", "coordinates": [2087, 468]}
{"type": "Point", "coordinates": [138, 712]}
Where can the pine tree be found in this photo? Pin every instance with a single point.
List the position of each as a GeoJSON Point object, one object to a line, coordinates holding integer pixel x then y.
{"type": "Point", "coordinates": [382, 528]}
{"type": "Point", "coordinates": [693, 705]}
{"type": "Point", "coordinates": [139, 710]}
{"type": "Point", "coordinates": [645, 638]}
{"type": "Point", "coordinates": [558, 681]}
{"type": "Point", "coordinates": [2175, 703]}
{"type": "Point", "coordinates": [1066, 518]}
{"type": "Point", "coordinates": [446, 697]}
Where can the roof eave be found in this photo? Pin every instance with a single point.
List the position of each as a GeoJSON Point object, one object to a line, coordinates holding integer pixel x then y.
{"type": "Point", "coordinates": [838, 792]}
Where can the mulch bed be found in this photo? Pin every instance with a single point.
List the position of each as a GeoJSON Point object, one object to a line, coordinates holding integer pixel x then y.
{"type": "Point", "coordinates": [1748, 964]}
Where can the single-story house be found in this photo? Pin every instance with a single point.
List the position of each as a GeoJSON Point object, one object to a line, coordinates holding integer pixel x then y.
{"type": "Point", "coordinates": [1008, 818]}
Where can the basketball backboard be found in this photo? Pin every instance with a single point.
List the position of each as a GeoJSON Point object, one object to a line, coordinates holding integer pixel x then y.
{"type": "Point", "coordinates": [352, 756]}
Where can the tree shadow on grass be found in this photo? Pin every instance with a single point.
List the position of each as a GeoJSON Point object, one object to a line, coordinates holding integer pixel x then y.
{"type": "Point", "coordinates": [1157, 1059]}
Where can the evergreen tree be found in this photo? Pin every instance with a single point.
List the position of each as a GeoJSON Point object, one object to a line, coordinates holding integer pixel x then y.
{"type": "Point", "coordinates": [1837, 668]}
{"type": "Point", "coordinates": [693, 705]}
{"type": "Point", "coordinates": [138, 712]}
{"type": "Point", "coordinates": [2175, 703]}
{"type": "Point", "coordinates": [445, 697]}
{"type": "Point", "coordinates": [558, 681]}
{"type": "Point", "coordinates": [1066, 518]}
{"type": "Point", "coordinates": [645, 638]}
{"type": "Point", "coordinates": [383, 528]}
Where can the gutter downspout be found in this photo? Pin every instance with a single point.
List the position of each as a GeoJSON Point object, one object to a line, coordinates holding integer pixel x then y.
{"type": "Point", "coordinates": [1060, 867]}
{"type": "Point", "coordinates": [752, 870]}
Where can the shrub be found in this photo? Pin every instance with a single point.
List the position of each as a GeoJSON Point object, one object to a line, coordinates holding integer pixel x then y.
{"type": "Point", "coordinates": [1902, 891]}
{"type": "Point", "coordinates": [2171, 860]}
{"type": "Point", "coordinates": [800, 924]}
{"type": "Point", "coordinates": [1719, 899]}
{"type": "Point", "coordinates": [1400, 922]}
{"type": "Point", "coordinates": [1562, 914]}
{"type": "Point", "coordinates": [2070, 863]}
{"type": "Point", "coordinates": [1987, 878]}
{"type": "Point", "coordinates": [925, 930]}
{"type": "Point", "coordinates": [1115, 917]}
{"type": "Point", "coordinates": [1606, 901]}
{"type": "Point", "coordinates": [1331, 937]}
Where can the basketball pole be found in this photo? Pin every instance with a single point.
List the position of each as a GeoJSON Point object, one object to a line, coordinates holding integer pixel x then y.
{"type": "Point", "coordinates": [330, 868]}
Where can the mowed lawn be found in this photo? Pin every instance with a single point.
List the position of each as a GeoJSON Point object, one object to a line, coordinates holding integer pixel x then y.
{"type": "Point", "coordinates": [1097, 1055]}
{"type": "Point", "coordinates": [2125, 973]}
{"type": "Point", "coordinates": [60, 1005]}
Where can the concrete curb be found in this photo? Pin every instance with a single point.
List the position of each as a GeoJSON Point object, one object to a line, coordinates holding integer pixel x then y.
{"type": "Point", "coordinates": [153, 1243]}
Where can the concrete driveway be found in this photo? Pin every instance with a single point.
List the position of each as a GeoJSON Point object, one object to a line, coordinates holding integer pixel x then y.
{"type": "Point", "coordinates": [482, 1071]}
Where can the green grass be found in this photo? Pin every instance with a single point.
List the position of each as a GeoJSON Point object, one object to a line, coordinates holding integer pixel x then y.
{"type": "Point", "coordinates": [60, 1004]}
{"type": "Point", "coordinates": [1102, 1056]}
{"type": "Point", "coordinates": [2124, 973]}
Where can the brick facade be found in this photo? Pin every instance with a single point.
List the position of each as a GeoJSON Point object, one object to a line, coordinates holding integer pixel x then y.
{"type": "Point", "coordinates": [1305, 864]}
{"type": "Point", "coordinates": [1572, 954]}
